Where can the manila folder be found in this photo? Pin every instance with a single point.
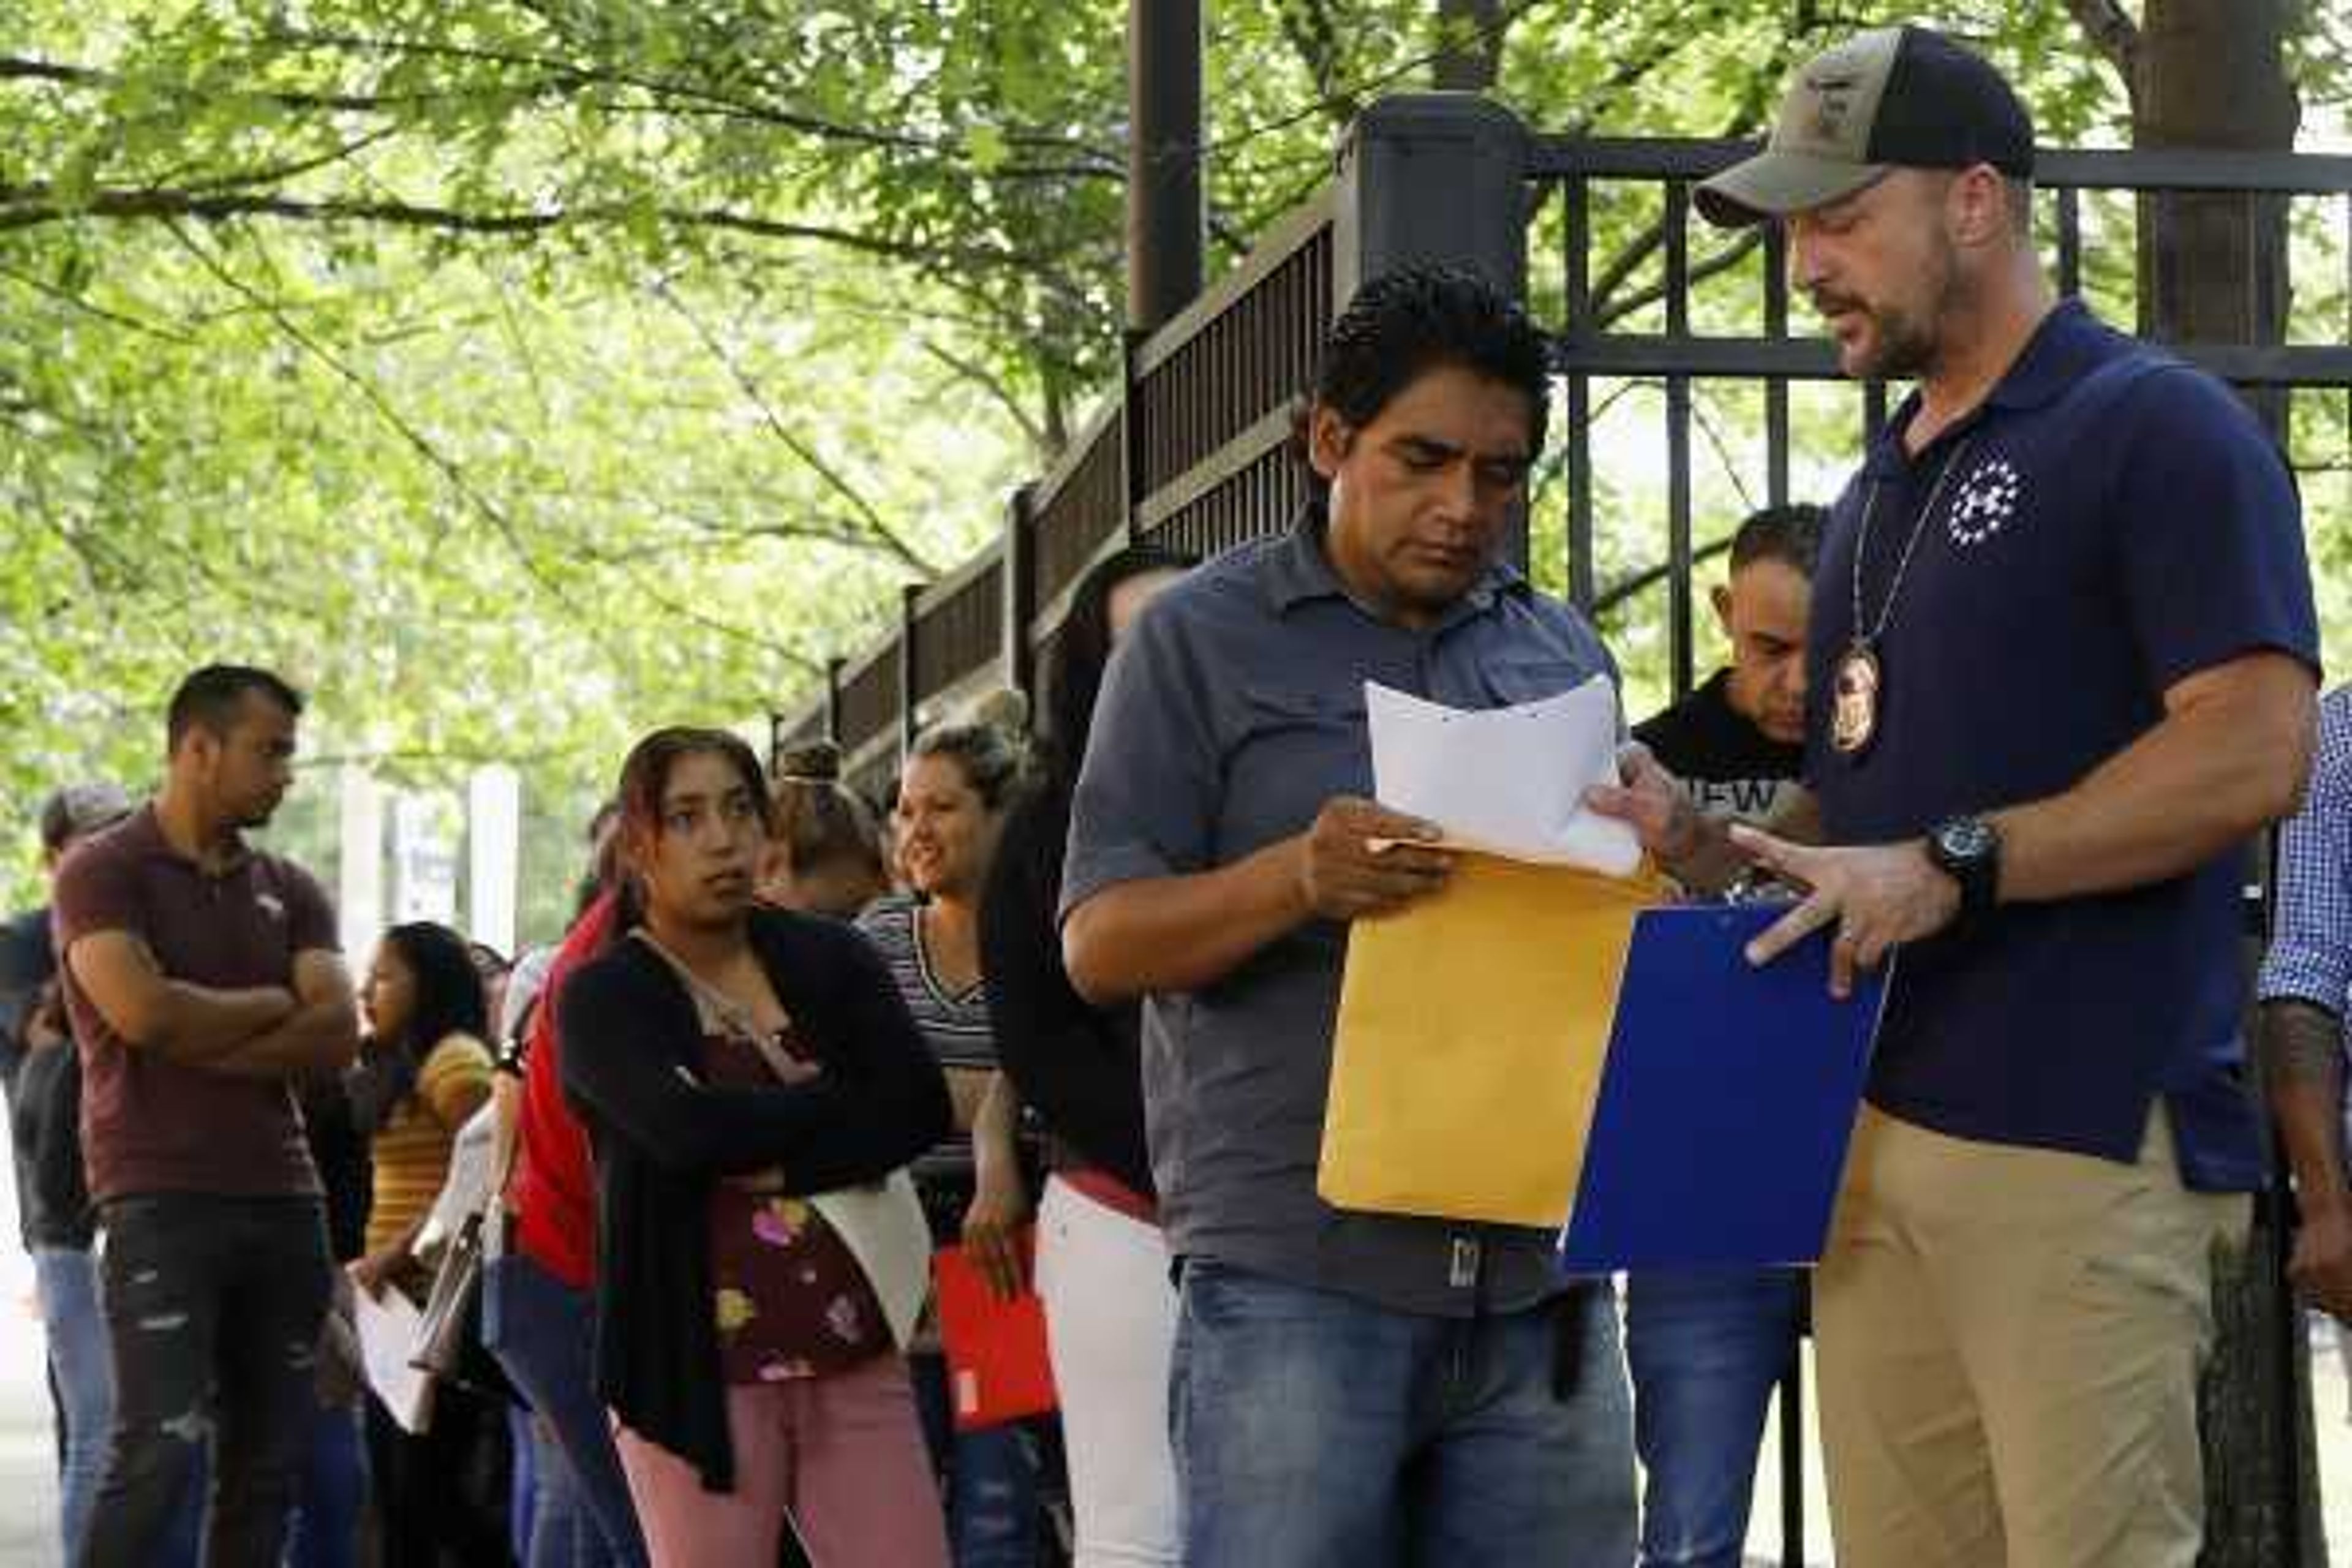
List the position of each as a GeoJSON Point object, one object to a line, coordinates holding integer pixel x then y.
{"type": "Point", "coordinates": [1472, 1031]}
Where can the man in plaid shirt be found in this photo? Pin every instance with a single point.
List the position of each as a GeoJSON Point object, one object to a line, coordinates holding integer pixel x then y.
{"type": "Point", "coordinates": [2305, 981]}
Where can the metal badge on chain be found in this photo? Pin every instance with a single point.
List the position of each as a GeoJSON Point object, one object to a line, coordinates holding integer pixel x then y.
{"type": "Point", "coordinates": [1859, 685]}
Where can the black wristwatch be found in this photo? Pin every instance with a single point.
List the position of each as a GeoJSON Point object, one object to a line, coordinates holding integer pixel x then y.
{"type": "Point", "coordinates": [1968, 850]}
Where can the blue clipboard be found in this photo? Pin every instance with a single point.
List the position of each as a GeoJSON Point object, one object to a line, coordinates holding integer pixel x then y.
{"type": "Point", "coordinates": [1726, 1100]}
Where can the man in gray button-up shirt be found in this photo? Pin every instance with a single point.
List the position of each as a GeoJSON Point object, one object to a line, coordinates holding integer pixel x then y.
{"type": "Point", "coordinates": [1347, 1387]}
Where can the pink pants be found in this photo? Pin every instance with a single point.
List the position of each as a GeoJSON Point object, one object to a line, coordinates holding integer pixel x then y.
{"type": "Point", "coordinates": [844, 1455]}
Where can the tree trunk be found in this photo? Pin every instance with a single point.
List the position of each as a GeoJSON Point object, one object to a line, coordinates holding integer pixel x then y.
{"type": "Point", "coordinates": [2254, 1413]}
{"type": "Point", "coordinates": [1469, 45]}
{"type": "Point", "coordinates": [2213, 268]}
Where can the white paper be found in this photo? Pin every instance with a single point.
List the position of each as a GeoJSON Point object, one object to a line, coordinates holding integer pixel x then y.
{"type": "Point", "coordinates": [466, 1190]}
{"type": "Point", "coordinates": [1510, 781]}
{"type": "Point", "coordinates": [389, 1328]}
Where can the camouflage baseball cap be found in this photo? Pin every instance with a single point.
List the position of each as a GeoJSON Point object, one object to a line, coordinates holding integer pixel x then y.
{"type": "Point", "coordinates": [1892, 98]}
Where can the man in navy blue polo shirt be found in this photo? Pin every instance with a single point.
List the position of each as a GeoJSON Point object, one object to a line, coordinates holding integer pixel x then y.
{"type": "Point", "coordinates": [2064, 660]}
{"type": "Point", "coordinates": [1347, 1388]}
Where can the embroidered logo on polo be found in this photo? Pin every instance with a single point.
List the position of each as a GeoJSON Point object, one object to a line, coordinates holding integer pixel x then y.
{"type": "Point", "coordinates": [1986, 500]}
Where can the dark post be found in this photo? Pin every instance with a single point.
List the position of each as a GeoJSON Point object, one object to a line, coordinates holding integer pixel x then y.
{"type": "Point", "coordinates": [2214, 268]}
{"type": "Point", "coordinates": [910, 601]}
{"type": "Point", "coordinates": [832, 701]}
{"type": "Point", "coordinates": [1018, 568]}
{"type": "Point", "coordinates": [1164, 213]}
{"type": "Point", "coordinates": [1434, 177]}
{"type": "Point", "coordinates": [1133, 434]}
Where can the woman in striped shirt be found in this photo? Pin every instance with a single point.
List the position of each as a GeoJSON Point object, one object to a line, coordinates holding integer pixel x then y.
{"type": "Point", "coordinates": [959, 783]}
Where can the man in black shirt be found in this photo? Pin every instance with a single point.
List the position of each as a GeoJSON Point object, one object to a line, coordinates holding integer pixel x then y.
{"type": "Point", "coordinates": [1706, 1348]}
{"type": "Point", "coordinates": [1738, 741]}
{"type": "Point", "coordinates": [44, 1081]}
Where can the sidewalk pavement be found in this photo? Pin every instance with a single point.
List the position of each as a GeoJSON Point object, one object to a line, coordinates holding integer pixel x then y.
{"type": "Point", "coordinates": [29, 1459]}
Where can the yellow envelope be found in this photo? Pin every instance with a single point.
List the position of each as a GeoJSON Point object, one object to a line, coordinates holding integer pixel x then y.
{"type": "Point", "coordinates": [1473, 1029]}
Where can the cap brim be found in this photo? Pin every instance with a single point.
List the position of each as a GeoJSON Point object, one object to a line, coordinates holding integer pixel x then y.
{"type": "Point", "coordinates": [1774, 185]}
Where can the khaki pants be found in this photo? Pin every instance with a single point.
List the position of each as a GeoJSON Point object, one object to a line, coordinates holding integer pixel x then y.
{"type": "Point", "coordinates": [2008, 1344]}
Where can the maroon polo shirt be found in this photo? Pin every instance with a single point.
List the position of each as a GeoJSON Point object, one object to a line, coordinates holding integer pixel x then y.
{"type": "Point", "coordinates": [149, 1125]}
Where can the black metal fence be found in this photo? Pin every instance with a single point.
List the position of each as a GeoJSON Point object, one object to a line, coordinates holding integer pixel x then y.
{"type": "Point", "coordinates": [1652, 317]}
{"type": "Point", "coordinates": [1189, 448]}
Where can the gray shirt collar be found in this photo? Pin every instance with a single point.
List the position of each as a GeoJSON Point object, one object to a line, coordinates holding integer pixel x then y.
{"type": "Point", "coordinates": [1301, 570]}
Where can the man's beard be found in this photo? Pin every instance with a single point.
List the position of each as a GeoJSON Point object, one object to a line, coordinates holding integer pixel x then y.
{"type": "Point", "coordinates": [1902, 345]}
{"type": "Point", "coordinates": [1901, 349]}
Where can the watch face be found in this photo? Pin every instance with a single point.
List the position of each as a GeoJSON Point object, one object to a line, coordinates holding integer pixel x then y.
{"type": "Point", "coordinates": [1966, 839]}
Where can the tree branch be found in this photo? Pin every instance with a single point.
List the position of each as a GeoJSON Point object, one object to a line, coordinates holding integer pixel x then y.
{"type": "Point", "coordinates": [1620, 267]}
{"type": "Point", "coordinates": [32, 206]}
{"type": "Point", "coordinates": [709, 534]}
{"type": "Point", "coordinates": [833, 478]}
{"type": "Point", "coordinates": [995, 386]}
{"type": "Point", "coordinates": [1635, 584]}
{"type": "Point", "coordinates": [449, 469]}
{"type": "Point", "coordinates": [1313, 37]}
{"type": "Point", "coordinates": [19, 68]}
{"type": "Point", "coordinates": [278, 173]}
{"type": "Point", "coordinates": [570, 74]}
{"type": "Point", "coordinates": [557, 79]}
{"type": "Point", "coordinates": [2114, 35]}
{"type": "Point", "coordinates": [99, 312]}
{"type": "Point", "coordinates": [1344, 95]}
{"type": "Point", "coordinates": [1607, 311]}
{"type": "Point", "coordinates": [1469, 45]}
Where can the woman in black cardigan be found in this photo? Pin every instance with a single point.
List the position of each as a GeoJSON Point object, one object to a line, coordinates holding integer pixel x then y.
{"type": "Point", "coordinates": [1102, 1266]}
{"type": "Point", "coordinates": [749, 1078]}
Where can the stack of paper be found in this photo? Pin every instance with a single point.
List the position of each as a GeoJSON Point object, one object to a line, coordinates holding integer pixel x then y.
{"type": "Point", "coordinates": [1507, 781]}
{"type": "Point", "coordinates": [390, 1328]}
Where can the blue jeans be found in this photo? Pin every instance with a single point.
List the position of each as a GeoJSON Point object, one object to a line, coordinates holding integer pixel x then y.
{"type": "Point", "coordinates": [543, 1333]}
{"type": "Point", "coordinates": [992, 1477]}
{"type": "Point", "coordinates": [82, 1370]}
{"type": "Point", "coordinates": [1316, 1430]}
{"type": "Point", "coordinates": [66, 1281]}
{"type": "Point", "coordinates": [325, 1533]}
{"type": "Point", "coordinates": [1706, 1349]}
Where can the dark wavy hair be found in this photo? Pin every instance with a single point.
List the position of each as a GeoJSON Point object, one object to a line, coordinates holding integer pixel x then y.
{"type": "Point", "coordinates": [645, 774]}
{"type": "Point", "coordinates": [1404, 324]}
{"type": "Point", "coordinates": [1073, 665]}
{"type": "Point", "coordinates": [449, 1000]}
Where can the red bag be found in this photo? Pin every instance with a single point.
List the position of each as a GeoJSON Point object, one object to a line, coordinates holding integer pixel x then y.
{"type": "Point", "coordinates": [997, 1367]}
